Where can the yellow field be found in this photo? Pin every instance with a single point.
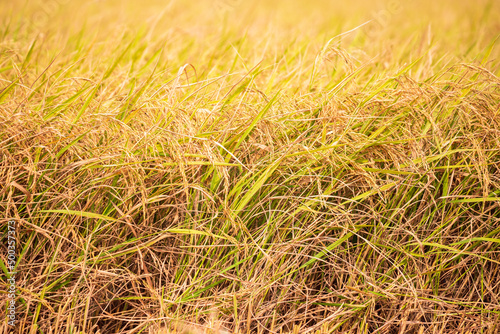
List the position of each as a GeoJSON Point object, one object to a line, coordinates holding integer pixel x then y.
{"type": "Point", "coordinates": [237, 166]}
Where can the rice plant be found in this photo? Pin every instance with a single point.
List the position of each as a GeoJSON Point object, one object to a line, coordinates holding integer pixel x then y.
{"type": "Point", "coordinates": [251, 167]}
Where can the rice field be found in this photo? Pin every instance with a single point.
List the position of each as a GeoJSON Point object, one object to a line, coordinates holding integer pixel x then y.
{"type": "Point", "coordinates": [248, 167]}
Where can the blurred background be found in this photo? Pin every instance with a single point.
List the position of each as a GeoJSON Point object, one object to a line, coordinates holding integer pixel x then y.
{"type": "Point", "coordinates": [261, 24]}
{"type": "Point", "coordinates": [315, 42]}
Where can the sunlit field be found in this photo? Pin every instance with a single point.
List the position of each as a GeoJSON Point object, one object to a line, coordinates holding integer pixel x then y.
{"type": "Point", "coordinates": [235, 166]}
